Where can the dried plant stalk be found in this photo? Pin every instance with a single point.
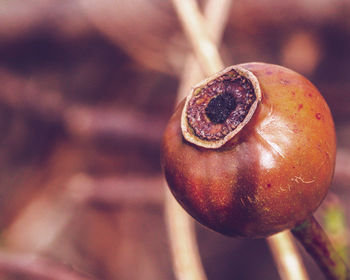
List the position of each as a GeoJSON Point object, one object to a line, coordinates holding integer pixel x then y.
{"type": "Point", "coordinates": [286, 256]}
{"type": "Point", "coordinates": [185, 255]}
{"type": "Point", "coordinates": [194, 25]}
{"type": "Point", "coordinates": [186, 259]}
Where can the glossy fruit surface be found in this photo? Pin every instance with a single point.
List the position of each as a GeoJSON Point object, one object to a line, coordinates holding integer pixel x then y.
{"type": "Point", "coordinates": [271, 175]}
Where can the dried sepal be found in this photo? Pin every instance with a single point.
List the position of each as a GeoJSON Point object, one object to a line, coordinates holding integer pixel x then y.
{"type": "Point", "coordinates": [220, 106]}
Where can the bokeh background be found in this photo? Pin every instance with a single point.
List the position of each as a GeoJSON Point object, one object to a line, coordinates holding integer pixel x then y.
{"type": "Point", "coordinates": [86, 89]}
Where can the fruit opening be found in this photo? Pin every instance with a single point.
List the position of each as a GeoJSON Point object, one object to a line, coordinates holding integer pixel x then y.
{"type": "Point", "coordinates": [219, 107]}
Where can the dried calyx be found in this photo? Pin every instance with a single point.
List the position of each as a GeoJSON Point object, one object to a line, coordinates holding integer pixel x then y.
{"type": "Point", "coordinates": [219, 107]}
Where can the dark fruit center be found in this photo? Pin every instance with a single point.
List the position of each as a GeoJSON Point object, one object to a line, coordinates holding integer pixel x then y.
{"type": "Point", "coordinates": [220, 107]}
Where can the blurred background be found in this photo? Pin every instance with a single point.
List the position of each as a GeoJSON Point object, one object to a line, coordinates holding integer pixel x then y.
{"type": "Point", "coordinates": [86, 89]}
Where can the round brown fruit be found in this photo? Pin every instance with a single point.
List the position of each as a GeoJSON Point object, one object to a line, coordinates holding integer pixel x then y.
{"type": "Point", "coordinates": [251, 151]}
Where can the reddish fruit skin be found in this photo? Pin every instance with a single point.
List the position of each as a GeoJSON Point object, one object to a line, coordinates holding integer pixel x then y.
{"type": "Point", "coordinates": [271, 175]}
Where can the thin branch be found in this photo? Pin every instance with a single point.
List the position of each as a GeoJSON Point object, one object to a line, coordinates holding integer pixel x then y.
{"type": "Point", "coordinates": [216, 15]}
{"type": "Point", "coordinates": [286, 256]}
{"type": "Point", "coordinates": [194, 25]}
{"type": "Point", "coordinates": [315, 241]}
{"type": "Point", "coordinates": [185, 255]}
{"type": "Point", "coordinates": [333, 219]}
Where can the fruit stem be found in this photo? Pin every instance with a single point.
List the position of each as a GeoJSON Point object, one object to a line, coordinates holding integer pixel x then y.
{"type": "Point", "coordinates": [333, 217]}
{"type": "Point", "coordinates": [317, 244]}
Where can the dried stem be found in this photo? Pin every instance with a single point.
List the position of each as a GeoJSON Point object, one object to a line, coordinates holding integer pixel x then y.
{"type": "Point", "coordinates": [316, 242]}
{"type": "Point", "coordinates": [286, 256]}
{"type": "Point", "coordinates": [185, 255]}
{"type": "Point", "coordinates": [187, 264]}
{"type": "Point", "coordinates": [216, 15]}
{"type": "Point", "coordinates": [194, 25]}
{"type": "Point", "coordinates": [210, 61]}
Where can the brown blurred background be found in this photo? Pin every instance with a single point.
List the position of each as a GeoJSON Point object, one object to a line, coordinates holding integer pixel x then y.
{"type": "Point", "coordinates": [86, 88]}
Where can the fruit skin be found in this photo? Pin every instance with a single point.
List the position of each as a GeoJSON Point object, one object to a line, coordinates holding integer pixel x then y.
{"type": "Point", "coordinates": [272, 175]}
